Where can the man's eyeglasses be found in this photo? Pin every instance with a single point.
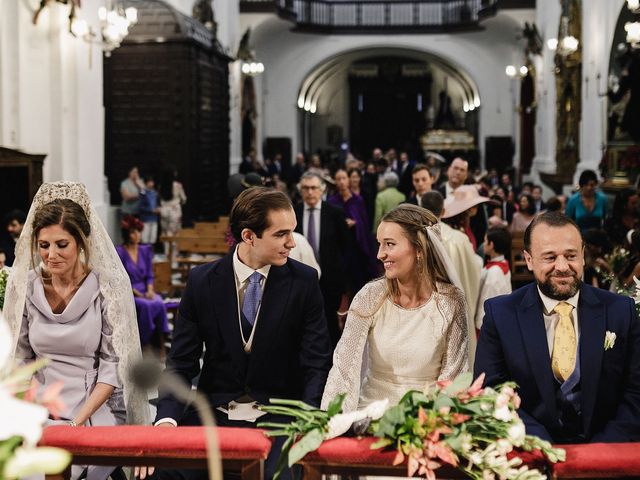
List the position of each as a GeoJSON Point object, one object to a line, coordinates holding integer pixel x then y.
{"type": "Point", "coordinates": [310, 187]}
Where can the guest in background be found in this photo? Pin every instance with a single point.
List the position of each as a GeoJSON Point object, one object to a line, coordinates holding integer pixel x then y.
{"type": "Point", "coordinates": [149, 210]}
{"type": "Point", "coordinates": [172, 197]}
{"type": "Point", "coordinates": [138, 262]}
{"type": "Point", "coordinates": [523, 217]}
{"type": "Point", "coordinates": [13, 223]}
{"type": "Point", "coordinates": [357, 186]}
{"type": "Point", "coordinates": [359, 255]}
{"type": "Point", "coordinates": [496, 274]}
{"type": "Point", "coordinates": [596, 268]}
{"type": "Point", "coordinates": [460, 207]}
{"type": "Point", "coordinates": [587, 207]}
{"type": "Point", "coordinates": [130, 190]}
{"type": "Point", "coordinates": [536, 194]}
{"type": "Point", "coordinates": [422, 183]}
{"type": "Point", "coordinates": [556, 204]}
{"type": "Point", "coordinates": [388, 198]}
{"type": "Point", "coordinates": [325, 227]}
{"type": "Point", "coordinates": [631, 269]}
{"type": "Point", "coordinates": [404, 169]}
{"type": "Point", "coordinates": [507, 206]}
{"type": "Point", "coordinates": [624, 216]}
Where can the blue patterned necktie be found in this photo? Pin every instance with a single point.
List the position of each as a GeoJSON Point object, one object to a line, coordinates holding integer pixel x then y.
{"type": "Point", "coordinates": [252, 298]}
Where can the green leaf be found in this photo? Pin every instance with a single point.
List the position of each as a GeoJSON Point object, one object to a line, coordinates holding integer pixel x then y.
{"type": "Point", "coordinates": [460, 383]}
{"type": "Point", "coordinates": [381, 443]}
{"type": "Point", "coordinates": [310, 442]}
{"type": "Point", "coordinates": [335, 406]}
{"type": "Point", "coordinates": [443, 401]}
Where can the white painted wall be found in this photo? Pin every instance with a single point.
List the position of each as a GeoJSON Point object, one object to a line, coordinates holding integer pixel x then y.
{"type": "Point", "coordinates": [289, 57]}
{"type": "Point", "coordinates": [51, 94]}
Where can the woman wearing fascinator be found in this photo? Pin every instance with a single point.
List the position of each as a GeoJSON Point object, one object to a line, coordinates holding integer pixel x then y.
{"type": "Point", "coordinates": [409, 327]}
{"type": "Point", "coordinates": [69, 300]}
{"type": "Point", "coordinates": [137, 259]}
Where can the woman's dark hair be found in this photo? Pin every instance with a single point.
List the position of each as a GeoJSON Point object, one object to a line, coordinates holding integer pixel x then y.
{"type": "Point", "coordinates": [351, 170]}
{"type": "Point", "coordinates": [501, 239]}
{"type": "Point", "coordinates": [128, 224]}
{"type": "Point", "coordinates": [70, 216]}
{"type": "Point", "coordinates": [620, 202]}
{"type": "Point", "coordinates": [531, 209]}
{"type": "Point", "coordinates": [457, 221]}
{"type": "Point", "coordinates": [169, 176]}
{"type": "Point", "coordinates": [586, 177]}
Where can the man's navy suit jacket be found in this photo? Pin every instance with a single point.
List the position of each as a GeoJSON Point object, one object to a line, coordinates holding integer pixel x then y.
{"type": "Point", "coordinates": [291, 352]}
{"type": "Point", "coordinates": [513, 346]}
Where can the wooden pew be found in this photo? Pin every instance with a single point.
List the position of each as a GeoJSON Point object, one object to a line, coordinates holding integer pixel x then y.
{"type": "Point", "coordinates": [243, 450]}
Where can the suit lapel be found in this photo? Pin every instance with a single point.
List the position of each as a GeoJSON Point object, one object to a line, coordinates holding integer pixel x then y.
{"type": "Point", "coordinates": [222, 283]}
{"type": "Point", "coordinates": [324, 227]}
{"type": "Point", "coordinates": [274, 301]}
{"type": "Point", "coordinates": [592, 321]}
{"type": "Point", "coordinates": [531, 320]}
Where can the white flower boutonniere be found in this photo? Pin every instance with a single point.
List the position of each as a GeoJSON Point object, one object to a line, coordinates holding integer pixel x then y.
{"type": "Point", "coordinates": [609, 340]}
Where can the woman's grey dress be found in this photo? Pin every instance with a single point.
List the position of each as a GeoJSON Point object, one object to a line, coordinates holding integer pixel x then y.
{"type": "Point", "coordinates": [78, 344]}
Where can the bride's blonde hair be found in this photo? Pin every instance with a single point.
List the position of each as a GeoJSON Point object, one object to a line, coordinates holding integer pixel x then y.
{"type": "Point", "coordinates": [414, 222]}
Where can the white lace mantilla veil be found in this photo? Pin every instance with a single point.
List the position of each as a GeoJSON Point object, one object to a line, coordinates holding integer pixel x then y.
{"type": "Point", "coordinates": [115, 287]}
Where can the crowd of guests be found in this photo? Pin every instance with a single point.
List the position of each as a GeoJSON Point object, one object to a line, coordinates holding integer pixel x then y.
{"type": "Point", "coordinates": [422, 304]}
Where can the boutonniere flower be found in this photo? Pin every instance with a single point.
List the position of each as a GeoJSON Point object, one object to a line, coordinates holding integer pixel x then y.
{"type": "Point", "coordinates": [609, 340]}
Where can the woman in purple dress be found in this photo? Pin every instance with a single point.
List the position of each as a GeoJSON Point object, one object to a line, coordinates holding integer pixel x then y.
{"type": "Point", "coordinates": [137, 260]}
{"type": "Point", "coordinates": [360, 254]}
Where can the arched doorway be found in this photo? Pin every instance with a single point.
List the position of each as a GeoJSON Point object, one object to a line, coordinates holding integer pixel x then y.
{"type": "Point", "coordinates": [384, 97]}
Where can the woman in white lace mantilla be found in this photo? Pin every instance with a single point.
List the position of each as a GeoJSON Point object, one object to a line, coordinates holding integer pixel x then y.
{"type": "Point", "coordinates": [69, 300]}
{"type": "Point", "coordinates": [408, 329]}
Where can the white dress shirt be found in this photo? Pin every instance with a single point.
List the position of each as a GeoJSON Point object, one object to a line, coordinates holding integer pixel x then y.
{"type": "Point", "coordinates": [551, 318]}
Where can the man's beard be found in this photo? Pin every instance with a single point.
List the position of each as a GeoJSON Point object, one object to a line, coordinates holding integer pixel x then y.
{"type": "Point", "coordinates": [551, 291]}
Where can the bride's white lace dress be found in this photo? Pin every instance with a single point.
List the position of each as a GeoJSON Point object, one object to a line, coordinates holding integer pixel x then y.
{"type": "Point", "coordinates": [386, 350]}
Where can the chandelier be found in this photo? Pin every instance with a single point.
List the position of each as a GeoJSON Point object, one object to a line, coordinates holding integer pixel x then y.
{"type": "Point", "coordinates": [115, 21]}
{"type": "Point", "coordinates": [568, 44]}
{"type": "Point", "coordinates": [633, 28]}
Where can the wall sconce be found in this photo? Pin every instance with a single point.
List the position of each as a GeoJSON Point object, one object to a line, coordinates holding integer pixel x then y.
{"type": "Point", "coordinates": [568, 44]}
{"type": "Point", "coordinates": [633, 34]}
{"type": "Point", "coordinates": [512, 71]}
{"type": "Point", "coordinates": [115, 21]}
{"type": "Point", "coordinates": [250, 66]}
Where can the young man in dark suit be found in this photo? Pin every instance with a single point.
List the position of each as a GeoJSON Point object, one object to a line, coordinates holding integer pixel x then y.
{"type": "Point", "coordinates": [260, 316]}
{"type": "Point", "coordinates": [325, 227]}
{"type": "Point", "coordinates": [573, 350]}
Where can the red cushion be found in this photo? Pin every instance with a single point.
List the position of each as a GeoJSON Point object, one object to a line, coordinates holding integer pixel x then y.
{"type": "Point", "coordinates": [347, 451]}
{"type": "Point", "coordinates": [597, 460]}
{"type": "Point", "coordinates": [187, 442]}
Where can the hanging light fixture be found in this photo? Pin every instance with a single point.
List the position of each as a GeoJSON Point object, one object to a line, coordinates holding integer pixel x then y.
{"type": "Point", "coordinates": [567, 44]}
{"type": "Point", "coordinates": [634, 5]}
{"type": "Point", "coordinates": [250, 65]}
{"type": "Point", "coordinates": [115, 21]}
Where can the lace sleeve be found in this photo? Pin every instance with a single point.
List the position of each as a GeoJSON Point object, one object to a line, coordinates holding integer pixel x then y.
{"type": "Point", "coordinates": [344, 376]}
{"type": "Point", "coordinates": [456, 357]}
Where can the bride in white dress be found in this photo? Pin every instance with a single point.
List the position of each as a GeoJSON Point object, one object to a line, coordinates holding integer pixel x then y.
{"type": "Point", "coordinates": [408, 329]}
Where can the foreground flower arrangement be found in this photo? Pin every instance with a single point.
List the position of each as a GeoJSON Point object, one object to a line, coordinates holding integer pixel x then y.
{"type": "Point", "coordinates": [455, 423]}
{"type": "Point", "coordinates": [4, 277]}
{"type": "Point", "coordinates": [21, 420]}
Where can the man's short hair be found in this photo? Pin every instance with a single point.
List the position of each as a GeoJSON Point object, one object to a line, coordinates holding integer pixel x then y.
{"type": "Point", "coordinates": [554, 205]}
{"type": "Point", "coordinates": [501, 239]}
{"type": "Point", "coordinates": [433, 201]}
{"type": "Point", "coordinates": [420, 167]}
{"type": "Point", "coordinates": [312, 175]}
{"type": "Point", "coordinates": [17, 215]}
{"type": "Point", "coordinates": [553, 219]}
{"type": "Point", "coordinates": [251, 210]}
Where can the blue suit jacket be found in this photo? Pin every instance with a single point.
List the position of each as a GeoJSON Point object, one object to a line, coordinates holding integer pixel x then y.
{"type": "Point", "coordinates": [513, 346]}
{"type": "Point", "coordinates": [291, 352]}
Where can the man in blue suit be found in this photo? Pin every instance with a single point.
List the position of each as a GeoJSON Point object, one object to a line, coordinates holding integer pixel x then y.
{"type": "Point", "coordinates": [573, 350]}
{"type": "Point", "coordinates": [260, 317]}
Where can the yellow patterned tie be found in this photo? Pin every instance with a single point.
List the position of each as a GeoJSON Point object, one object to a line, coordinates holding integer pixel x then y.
{"type": "Point", "coordinates": [563, 358]}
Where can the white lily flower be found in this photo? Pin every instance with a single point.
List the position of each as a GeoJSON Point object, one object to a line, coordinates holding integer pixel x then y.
{"type": "Point", "coordinates": [376, 410]}
{"type": "Point", "coordinates": [516, 433]}
{"type": "Point", "coordinates": [503, 413]}
{"type": "Point", "coordinates": [29, 461]}
{"type": "Point", "coordinates": [21, 418]}
{"type": "Point", "coordinates": [503, 446]}
{"type": "Point", "coordinates": [340, 423]}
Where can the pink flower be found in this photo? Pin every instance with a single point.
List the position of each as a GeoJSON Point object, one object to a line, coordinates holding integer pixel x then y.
{"type": "Point", "coordinates": [458, 418]}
